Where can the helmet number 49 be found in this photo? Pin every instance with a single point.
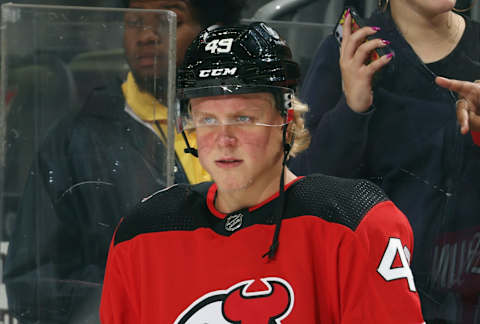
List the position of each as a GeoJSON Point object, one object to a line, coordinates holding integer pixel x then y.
{"type": "Point", "coordinates": [390, 272]}
{"type": "Point", "coordinates": [218, 46]}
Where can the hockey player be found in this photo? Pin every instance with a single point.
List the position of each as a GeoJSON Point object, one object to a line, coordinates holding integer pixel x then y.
{"type": "Point", "coordinates": [243, 249]}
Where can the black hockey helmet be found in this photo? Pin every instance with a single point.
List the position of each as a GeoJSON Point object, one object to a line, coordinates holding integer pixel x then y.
{"type": "Point", "coordinates": [235, 60]}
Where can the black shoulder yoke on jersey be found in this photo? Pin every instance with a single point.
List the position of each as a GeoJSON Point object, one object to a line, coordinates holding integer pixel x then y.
{"type": "Point", "coordinates": [336, 200]}
{"type": "Point", "coordinates": [184, 207]}
{"type": "Point", "coordinates": [170, 209]}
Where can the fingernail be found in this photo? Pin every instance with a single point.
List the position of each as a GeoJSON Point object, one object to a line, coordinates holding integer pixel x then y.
{"type": "Point", "coordinates": [386, 42]}
{"type": "Point", "coordinates": [376, 28]}
{"type": "Point", "coordinates": [389, 55]}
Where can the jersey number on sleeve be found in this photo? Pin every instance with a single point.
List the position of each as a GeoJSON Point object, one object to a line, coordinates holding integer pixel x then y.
{"type": "Point", "coordinates": [386, 268]}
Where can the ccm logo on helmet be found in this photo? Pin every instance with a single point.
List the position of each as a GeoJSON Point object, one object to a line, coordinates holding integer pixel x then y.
{"type": "Point", "coordinates": [217, 72]}
{"type": "Point", "coordinates": [239, 304]}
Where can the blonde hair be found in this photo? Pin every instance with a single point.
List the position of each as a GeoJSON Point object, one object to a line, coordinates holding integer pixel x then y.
{"type": "Point", "coordinates": [301, 135]}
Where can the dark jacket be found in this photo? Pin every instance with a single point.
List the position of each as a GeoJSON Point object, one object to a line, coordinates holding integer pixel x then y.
{"type": "Point", "coordinates": [410, 144]}
{"type": "Point", "coordinates": [91, 170]}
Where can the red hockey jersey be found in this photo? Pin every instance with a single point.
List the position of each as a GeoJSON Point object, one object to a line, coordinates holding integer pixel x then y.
{"type": "Point", "coordinates": [343, 257]}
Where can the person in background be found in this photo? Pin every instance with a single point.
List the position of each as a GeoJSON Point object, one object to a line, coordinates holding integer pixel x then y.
{"type": "Point", "coordinates": [94, 167]}
{"type": "Point", "coordinates": [265, 246]}
{"type": "Point", "coordinates": [394, 121]}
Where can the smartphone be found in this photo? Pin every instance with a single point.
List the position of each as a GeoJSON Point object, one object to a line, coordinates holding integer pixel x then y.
{"type": "Point", "coordinates": [357, 23]}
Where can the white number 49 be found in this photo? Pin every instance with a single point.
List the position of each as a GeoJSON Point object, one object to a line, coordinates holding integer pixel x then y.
{"type": "Point", "coordinates": [219, 46]}
{"type": "Point", "coordinates": [386, 269]}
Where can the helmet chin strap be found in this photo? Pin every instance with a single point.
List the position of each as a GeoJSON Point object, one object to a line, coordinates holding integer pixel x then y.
{"type": "Point", "coordinates": [280, 206]}
{"type": "Point", "coordinates": [189, 149]}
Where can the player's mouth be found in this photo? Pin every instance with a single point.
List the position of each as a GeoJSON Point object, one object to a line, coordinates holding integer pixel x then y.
{"type": "Point", "coordinates": [228, 162]}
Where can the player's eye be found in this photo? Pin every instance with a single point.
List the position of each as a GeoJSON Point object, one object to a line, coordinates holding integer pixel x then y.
{"type": "Point", "coordinates": [244, 119]}
{"type": "Point", "coordinates": [207, 121]}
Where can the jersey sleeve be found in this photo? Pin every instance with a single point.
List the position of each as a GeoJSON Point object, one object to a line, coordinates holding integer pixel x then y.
{"type": "Point", "coordinates": [119, 303]}
{"type": "Point", "coordinates": [376, 265]}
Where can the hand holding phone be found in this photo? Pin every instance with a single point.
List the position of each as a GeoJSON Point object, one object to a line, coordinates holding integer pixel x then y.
{"type": "Point", "coordinates": [362, 55]}
{"type": "Point", "coordinates": [358, 22]}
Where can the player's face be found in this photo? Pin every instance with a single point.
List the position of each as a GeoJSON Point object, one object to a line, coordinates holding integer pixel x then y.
{"type": "Point", "coordinates": [145, 36]}
{"type": "Point", "coordinates": [238, 154]}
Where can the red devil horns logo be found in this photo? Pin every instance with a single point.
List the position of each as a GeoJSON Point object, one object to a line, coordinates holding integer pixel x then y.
{"type": "Point", "coordinates": [257, 308]}
{"type": "Point", "coordinates": [239, 305]}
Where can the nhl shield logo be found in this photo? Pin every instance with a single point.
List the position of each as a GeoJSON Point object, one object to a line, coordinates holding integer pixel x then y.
{"type": "Point", "coordinates": [233, 222]}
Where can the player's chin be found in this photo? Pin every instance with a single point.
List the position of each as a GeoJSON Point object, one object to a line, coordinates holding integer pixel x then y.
{"type": "Point", "coordinates": [232, 183]}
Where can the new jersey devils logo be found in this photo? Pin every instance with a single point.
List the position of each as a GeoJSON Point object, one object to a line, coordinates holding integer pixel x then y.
{"type": "Point", "coordinates": [238, 304]}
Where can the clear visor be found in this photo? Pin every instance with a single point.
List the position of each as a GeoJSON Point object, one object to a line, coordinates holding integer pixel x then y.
{"type": "Point", "coordinates": [203, 122]}
{"type": "Point", "coordinates": [248, 117]}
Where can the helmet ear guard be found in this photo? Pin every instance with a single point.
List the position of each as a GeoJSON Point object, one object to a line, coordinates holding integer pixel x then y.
{"type": "Point", "coordinates": [290, 115]}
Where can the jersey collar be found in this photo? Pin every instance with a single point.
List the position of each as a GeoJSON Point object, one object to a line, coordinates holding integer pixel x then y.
{"type": "Point", "coordinates": [212, 193]}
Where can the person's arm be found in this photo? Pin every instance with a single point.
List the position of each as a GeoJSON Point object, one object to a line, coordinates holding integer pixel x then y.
{"type": "Point", "coordinates": [46, 276]}
{"type": "Point", "coordinates": [338, 92]}
{"type": "Point", "coordinates": [376, 265]}
{"type": "Point", "coordinates": [55, 262]}
{"type": "Point", "coordinates": [338, 134]}
{"type": "Point", "coordinates": [468, 106]}
{"type": "Point", "coordinates": [34, 294]}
